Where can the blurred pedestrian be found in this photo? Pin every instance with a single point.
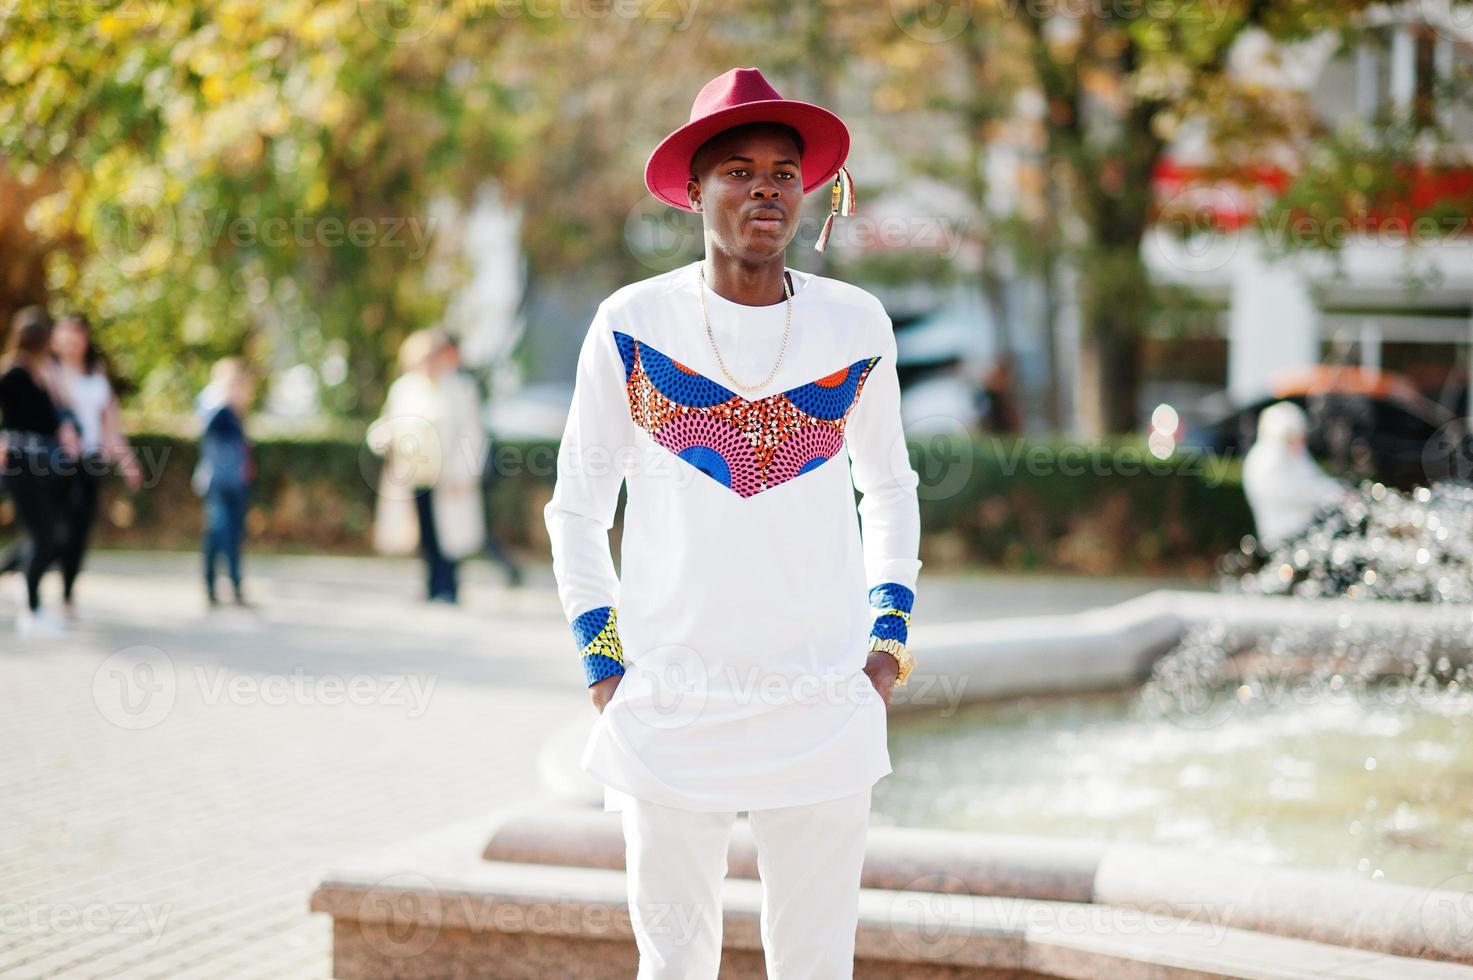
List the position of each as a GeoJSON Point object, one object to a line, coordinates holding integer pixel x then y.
{"type": "Point", "coordinates": [1286, 489]}
{"type": "Point", "coordinates": [1002, 413]}
{"type": "Point", "coordinates": [81, 374]}
{"type": "Point", "coordinates": [40, 440]}
{"type": "Point", "coordinates": [225, 470]}
{"type": "Point", "coordinates": [431, 436]}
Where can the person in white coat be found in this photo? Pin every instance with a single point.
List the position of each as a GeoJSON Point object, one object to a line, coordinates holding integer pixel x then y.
{"type": "Point", "coordinates": [430, 433]}
{"type": "Point", "coordinates": [1284, 485]}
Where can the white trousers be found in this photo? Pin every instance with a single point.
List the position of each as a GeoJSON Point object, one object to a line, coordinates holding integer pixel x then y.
{"type": "Point", "coordinates": [809, 858]}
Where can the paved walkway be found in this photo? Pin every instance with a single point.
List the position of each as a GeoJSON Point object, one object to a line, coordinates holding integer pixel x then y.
{"type": "Point", "coordinates": [174, 778]}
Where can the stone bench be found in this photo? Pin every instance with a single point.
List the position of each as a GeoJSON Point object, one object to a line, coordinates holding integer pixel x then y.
{"type": "Point", "coordinates": [434, 907]}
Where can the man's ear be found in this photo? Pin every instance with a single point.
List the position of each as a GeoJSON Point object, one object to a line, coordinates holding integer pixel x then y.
{"type": "Point", "coordinates": [693, 193]}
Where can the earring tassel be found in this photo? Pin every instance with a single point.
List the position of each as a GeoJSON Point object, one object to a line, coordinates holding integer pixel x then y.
{"type": "Point", "coordinates": [841, 201]}
{"type": "Point", "coordinates": [823, 235]}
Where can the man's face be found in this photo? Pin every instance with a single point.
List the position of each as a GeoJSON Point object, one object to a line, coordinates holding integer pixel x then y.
{"type": "Point", "coordinates": [749, 190]}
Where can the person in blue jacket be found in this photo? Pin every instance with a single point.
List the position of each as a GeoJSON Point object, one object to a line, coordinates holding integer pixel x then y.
{"type": "Point", "coordinates": [225, 470]}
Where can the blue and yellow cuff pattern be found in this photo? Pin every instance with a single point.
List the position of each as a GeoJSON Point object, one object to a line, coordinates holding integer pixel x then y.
{"type": "Point", "coordinates": [891, 603]}
{"type": "Point", "coordinates": [597, 633]}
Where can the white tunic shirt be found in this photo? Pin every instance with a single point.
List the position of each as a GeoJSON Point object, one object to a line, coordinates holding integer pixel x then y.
{"type": "Point", "coordinates": [747, 595]}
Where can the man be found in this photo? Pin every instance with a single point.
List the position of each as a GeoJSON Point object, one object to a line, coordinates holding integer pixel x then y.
{"type": "Point", "coordinates": [745, 660]}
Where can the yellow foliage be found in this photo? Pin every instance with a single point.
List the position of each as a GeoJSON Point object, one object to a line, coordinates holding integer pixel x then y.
{"type": "Point", "coordinates": [316, 195]}
{"type": "Point", "coordinates": [114, 27]}
{"type": "Point", "coordinates": [214, 89]}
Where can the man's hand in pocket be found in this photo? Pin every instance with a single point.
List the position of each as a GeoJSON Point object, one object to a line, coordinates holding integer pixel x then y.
{"type": "Point", "coordinates": [603, 691]}
{"type": "Point", "coordinates": [882, 671]}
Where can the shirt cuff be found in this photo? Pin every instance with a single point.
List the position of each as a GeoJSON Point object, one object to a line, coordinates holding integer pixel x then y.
{"type": "Point", "coordinates": [597, 633]}
{"type": "Point", "coordinates": [891, 602]}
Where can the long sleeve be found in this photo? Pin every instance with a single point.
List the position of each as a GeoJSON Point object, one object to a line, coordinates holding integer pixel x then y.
{"type": "Point", "coordinates": [113, 440]}
{"type": "Point", "coordinates": [889, 509]}
{"type": "Point", "coordinates": [581, 512]}
{"type": "Point", "coordinates": [7, 398]}
{"type": "Point", "coordinates": [380, 434]}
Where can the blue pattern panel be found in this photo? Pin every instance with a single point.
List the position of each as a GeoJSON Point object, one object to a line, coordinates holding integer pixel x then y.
{"type": "Point", "coordinates": [597, 634]}
{"type": "Point", "coordinates": [891, 603]}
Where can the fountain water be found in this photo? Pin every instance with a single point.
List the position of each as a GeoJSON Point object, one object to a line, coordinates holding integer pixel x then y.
{"type": "Point", "coordinates": [1342, 740]}
{"type": "Point", "coordinates": [1333, 707]}
{"type": "Point", "coordinates": [1386, 545]}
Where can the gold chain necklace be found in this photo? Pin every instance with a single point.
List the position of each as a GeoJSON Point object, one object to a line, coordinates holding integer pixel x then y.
{"type": "Point", "coordinates": [787, 332]}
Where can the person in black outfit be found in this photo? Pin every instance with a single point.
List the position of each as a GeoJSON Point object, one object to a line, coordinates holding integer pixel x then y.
{"type": "Point", "coordinates": [41, 446]}
{"type": "Point", "coordinates": [83, 379]}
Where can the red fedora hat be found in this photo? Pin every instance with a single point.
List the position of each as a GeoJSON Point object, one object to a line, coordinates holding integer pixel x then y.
{"type": "Point", "coordinates": [741, 96]}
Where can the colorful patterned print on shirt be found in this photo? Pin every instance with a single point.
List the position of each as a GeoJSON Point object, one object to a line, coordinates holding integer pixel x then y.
{"type": "Point", "coordinates": [746, 446]}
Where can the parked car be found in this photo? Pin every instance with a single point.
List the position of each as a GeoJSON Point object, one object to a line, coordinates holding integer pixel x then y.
{"type": "Point", "coordinates": [1370, 423]}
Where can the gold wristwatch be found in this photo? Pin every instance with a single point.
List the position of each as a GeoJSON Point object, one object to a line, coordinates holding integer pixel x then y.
{"type": "Point", "coordinates": [900, 652]}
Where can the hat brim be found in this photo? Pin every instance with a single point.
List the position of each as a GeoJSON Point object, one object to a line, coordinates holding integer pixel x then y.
{"type": "Point", "coordinates": [825, 145]}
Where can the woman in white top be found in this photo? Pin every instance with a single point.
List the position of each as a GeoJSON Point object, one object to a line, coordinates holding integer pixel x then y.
{"type": "Point", "coordinates": [430, 490]}
{"type": "Point", "coordinates": [81, 376]}
{"type": "Point", "coordinates": [1284, 485]}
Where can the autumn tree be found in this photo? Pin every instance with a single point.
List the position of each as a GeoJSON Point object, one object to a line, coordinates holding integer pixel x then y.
{"type": "Point", "coordinates": [1113, 85]}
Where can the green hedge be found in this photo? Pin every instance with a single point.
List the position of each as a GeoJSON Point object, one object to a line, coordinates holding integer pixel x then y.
{"type": "Point", "coordinates": [1094, 509]}
{"type": "Point", "coordinates": [310, 496]}
{"type": "Point", "coordinates": [1017, 505]}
